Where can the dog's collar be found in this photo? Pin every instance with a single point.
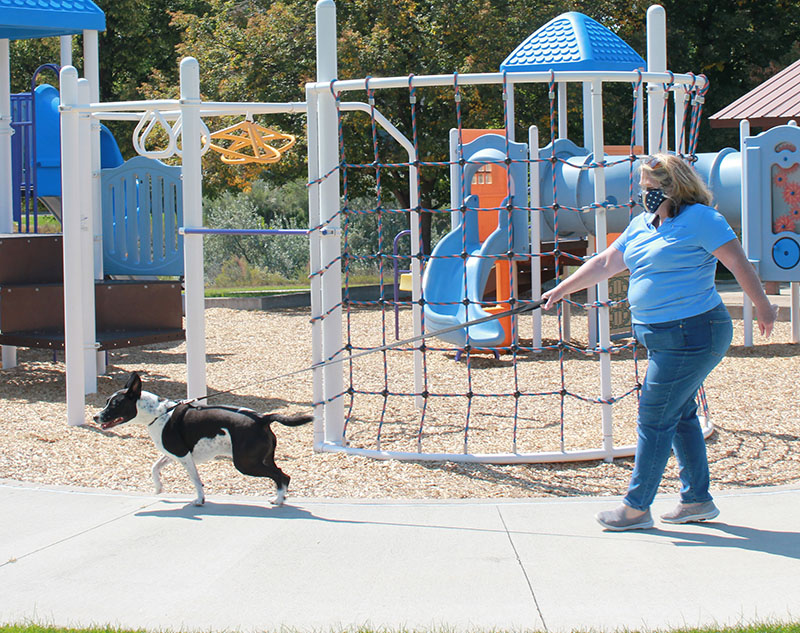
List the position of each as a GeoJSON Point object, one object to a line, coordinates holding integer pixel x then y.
{"type": "Point", "coordinates": [165, 412]}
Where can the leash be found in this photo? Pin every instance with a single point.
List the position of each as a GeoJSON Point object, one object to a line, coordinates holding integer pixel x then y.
{"type": "Point", "coordinates": [521, 309]}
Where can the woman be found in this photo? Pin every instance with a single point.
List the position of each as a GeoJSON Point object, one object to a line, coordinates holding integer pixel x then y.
{"type": "Point", "coordinates": [671, 251]}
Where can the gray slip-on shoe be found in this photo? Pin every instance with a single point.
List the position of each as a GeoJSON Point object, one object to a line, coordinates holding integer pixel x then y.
{"type": "Point", "coordinates": [691, 512]}
{"type": "Point", "coordinates": [617, 521]}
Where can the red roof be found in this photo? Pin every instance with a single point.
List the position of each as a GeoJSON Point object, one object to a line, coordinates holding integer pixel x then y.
{"type": "Point", "coordinates": [775, 102]}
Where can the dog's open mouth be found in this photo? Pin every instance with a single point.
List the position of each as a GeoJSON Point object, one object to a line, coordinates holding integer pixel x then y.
{"type": "Point", "coordinates": [110, 423]}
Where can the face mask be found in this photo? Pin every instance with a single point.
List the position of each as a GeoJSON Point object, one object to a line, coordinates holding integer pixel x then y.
{"type": "Point", "coordinates": [653, 198]}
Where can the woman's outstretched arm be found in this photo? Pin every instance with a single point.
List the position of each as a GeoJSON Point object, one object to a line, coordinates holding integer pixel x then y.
{"type": "Point", "coordinates": [593, 271]}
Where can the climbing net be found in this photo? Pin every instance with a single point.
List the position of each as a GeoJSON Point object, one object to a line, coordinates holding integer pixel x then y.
{"type": "Point", "coordinates": [543, 394]}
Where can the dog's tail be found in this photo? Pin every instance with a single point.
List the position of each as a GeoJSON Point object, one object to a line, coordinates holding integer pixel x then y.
{"type": "Point", "coordinates": [287, 420]}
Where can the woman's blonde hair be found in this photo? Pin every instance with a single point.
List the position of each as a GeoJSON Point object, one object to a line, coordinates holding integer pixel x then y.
{"type": "Point", "coordinates": [679, 180]}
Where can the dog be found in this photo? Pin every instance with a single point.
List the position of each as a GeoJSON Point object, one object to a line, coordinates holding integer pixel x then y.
{"type": "Point", "coordinates": [191, 434]}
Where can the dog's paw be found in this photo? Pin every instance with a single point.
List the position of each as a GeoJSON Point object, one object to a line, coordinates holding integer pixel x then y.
{"type": "Point", "coordinates": [278, 500]}
{"type": "Point", "coordinates": [199, 501]}
{"type": "Point", "coordinates": [158, 488]}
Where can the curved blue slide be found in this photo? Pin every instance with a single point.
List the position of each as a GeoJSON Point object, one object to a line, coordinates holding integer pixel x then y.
{"type": "Point", "coordinates": [449, 279]}
{"type": "Point", "coordinates": [456, 274]}
{"type": "Point", "coordinates": [48, 143]}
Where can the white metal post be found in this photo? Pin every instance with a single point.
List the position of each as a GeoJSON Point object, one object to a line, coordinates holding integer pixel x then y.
{"type": "Point", "coordinates": [66, 50]}
{"type": "Point", "coordinates": [193, 218]}
{"type": "Point", "coordinates": [680, 97]}
{"type": "Point", "coordinates": [656, 62]}
{"type": "Point", "coordinates": [416, 274]}
{"type": "Point", "coordinates": [312, 132]}
{"type": "Point", "coordinates": [9, 353]}
{"type": "Point", "coordinates": [601, 237]}
{"type": "Point", "coordinates": [455, 180]}
{"type": "Point", "coordinates": [330, 243]}
{"type": "Point", "coordinates": [747, 306]}
{"type": "Point", "coordinates": [510, 106]}
{"type": "Point", "coordinates": [71, 225]}
{"type": "Point", "coordinates": [87, 258]}
{"type": "Point", "coordinates": [587, 113]}
{"type": "Point", "coordinates": [6, 200]}
{"type": "Point", "coordinates": [562, 110]}
{"type": "Point", "coordinates": [639, 127]}
{"type": "Point", "coordinates": [536, 232]}
{"type": "Point", "coordinates": [91, 71]}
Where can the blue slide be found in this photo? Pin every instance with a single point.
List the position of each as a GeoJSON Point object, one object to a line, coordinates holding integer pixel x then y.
{"type": "Point", "coordinates": [48, 143]}
{"type": "Point", "coordinates": [456, 274]}
{"type": "Point", "coordinates": [449, 279]}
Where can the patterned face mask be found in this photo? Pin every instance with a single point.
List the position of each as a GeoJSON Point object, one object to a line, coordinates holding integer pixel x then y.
{"type": "Point", "coordinates": [652, 199]}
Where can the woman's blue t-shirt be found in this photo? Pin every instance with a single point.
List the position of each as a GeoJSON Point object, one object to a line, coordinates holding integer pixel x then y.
{"type": "Point", "coordinates": [672, 268]}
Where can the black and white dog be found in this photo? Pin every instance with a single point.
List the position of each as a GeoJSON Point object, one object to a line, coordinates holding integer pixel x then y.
{"type": "Point", "coordinates": [191, 434]}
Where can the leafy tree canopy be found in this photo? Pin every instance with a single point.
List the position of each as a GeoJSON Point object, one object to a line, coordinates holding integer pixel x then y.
{"type": "Point", "coordinates": [264, 50]}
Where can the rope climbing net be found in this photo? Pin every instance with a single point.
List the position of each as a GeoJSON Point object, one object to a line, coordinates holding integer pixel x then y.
{"type": "Point", "coordinates": [543, 389]}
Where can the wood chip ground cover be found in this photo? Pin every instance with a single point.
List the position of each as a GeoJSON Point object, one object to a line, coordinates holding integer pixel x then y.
{"type": "Point", "coordinates": [752, 395]}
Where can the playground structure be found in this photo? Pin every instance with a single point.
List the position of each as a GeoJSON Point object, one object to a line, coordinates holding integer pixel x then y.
{"type": "Point", "coordinates": [555, 192]}
{"type": "Point", "coordinates": [138, 205]}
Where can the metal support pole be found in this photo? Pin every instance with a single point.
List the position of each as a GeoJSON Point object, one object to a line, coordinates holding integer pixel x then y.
{"type": "Point", "coordinates": [656, 62]}
{"type": "Point", "coordinates": [87, 258]}
{"type": "Point", "coordinates": [193, 218]}
{"type": "Point", "coordinates": [9, 353]}
{"type": "Point", "coordinates": [312, 125]}
{"type": "Point", "coordinates": [330, 244]}
{"type": "Point", "coordinates": [603, 327]}
{"type": "Point", "coordinates": [65, 42]}
{"type": "Point", "coordinates": [747, 242]}
{"type": "Point", "coordinates": [71, 224]}
{"type": "Point", "coordinates": [455, 180]}
{"type": "Point", "coordinates": [6, 199]}
{"type": "Point", "coordinates": [91, 72]}
{"type": "Point", "coordinates": [562, 110]}
{"type": "Point", "coordinates": [587, 114]}
{"type": "Point", "coordinates": [510, 106]}
{"type": "Point", "coordinates": [536, 232]}
{"type": "Point", "coordinates": [416, 274]}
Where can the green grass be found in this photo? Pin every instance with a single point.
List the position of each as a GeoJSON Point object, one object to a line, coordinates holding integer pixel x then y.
{"type": "Point", "coordinates": [748, 628]}
{"type": "Point", "coordinates": [254, 291]}
{"type": "Point", "coordinates": [290, 285]}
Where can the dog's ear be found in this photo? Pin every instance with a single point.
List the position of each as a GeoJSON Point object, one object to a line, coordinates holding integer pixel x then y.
{"type": "Point", "coordinates": [134, 386]}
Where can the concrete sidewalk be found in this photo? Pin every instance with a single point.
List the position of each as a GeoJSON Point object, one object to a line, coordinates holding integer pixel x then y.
{"type": "Point", "coordinates": [84, 557]}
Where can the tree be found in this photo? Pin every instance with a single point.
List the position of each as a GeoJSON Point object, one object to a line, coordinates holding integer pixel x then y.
{"type": "Point", "coordinates": [266, 51]}
{"type": "Point", "coordinates": [737, 45]}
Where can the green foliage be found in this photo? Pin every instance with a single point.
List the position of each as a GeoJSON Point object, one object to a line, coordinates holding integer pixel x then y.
{"type": "Point", "coordinates": [249, 259]}
{"type": "Point", "coordinates": [264, 50]}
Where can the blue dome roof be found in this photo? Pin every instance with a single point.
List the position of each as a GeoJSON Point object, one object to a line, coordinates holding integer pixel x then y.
{"type": "Point", "coordinates": [28, 19]}
{"type": "Point", "coordinates": [572, 41]}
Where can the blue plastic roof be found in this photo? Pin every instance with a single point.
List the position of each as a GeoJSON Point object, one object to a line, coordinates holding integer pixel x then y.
{"type": "Point", "coordinates": [28, 19]}
{"type": "Point", "coordinates": [572, 41]}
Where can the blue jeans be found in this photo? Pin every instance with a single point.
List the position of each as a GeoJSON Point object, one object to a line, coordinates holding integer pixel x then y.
{"type": "Point", "coordinates": [680, 355]}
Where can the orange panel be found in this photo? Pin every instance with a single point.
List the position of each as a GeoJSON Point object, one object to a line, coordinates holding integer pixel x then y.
{"type": "Point", "coordinates": [491, 186]}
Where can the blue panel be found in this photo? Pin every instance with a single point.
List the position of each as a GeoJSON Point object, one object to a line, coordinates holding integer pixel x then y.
{"type": "Point", "coordinates": [572, 41]}
{"type": "Point", "coordinates": [142, 210]}
{"type": "Point", "coordinates": [773, 163]}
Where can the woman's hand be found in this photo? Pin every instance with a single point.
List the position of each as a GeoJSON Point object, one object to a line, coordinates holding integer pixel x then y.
{"type": "Point", "coordinates": [593, 271]}
{"type": "Point", "coordinates": [766, 317]}
{"type": "Point", "coordinates": [552, 297]}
